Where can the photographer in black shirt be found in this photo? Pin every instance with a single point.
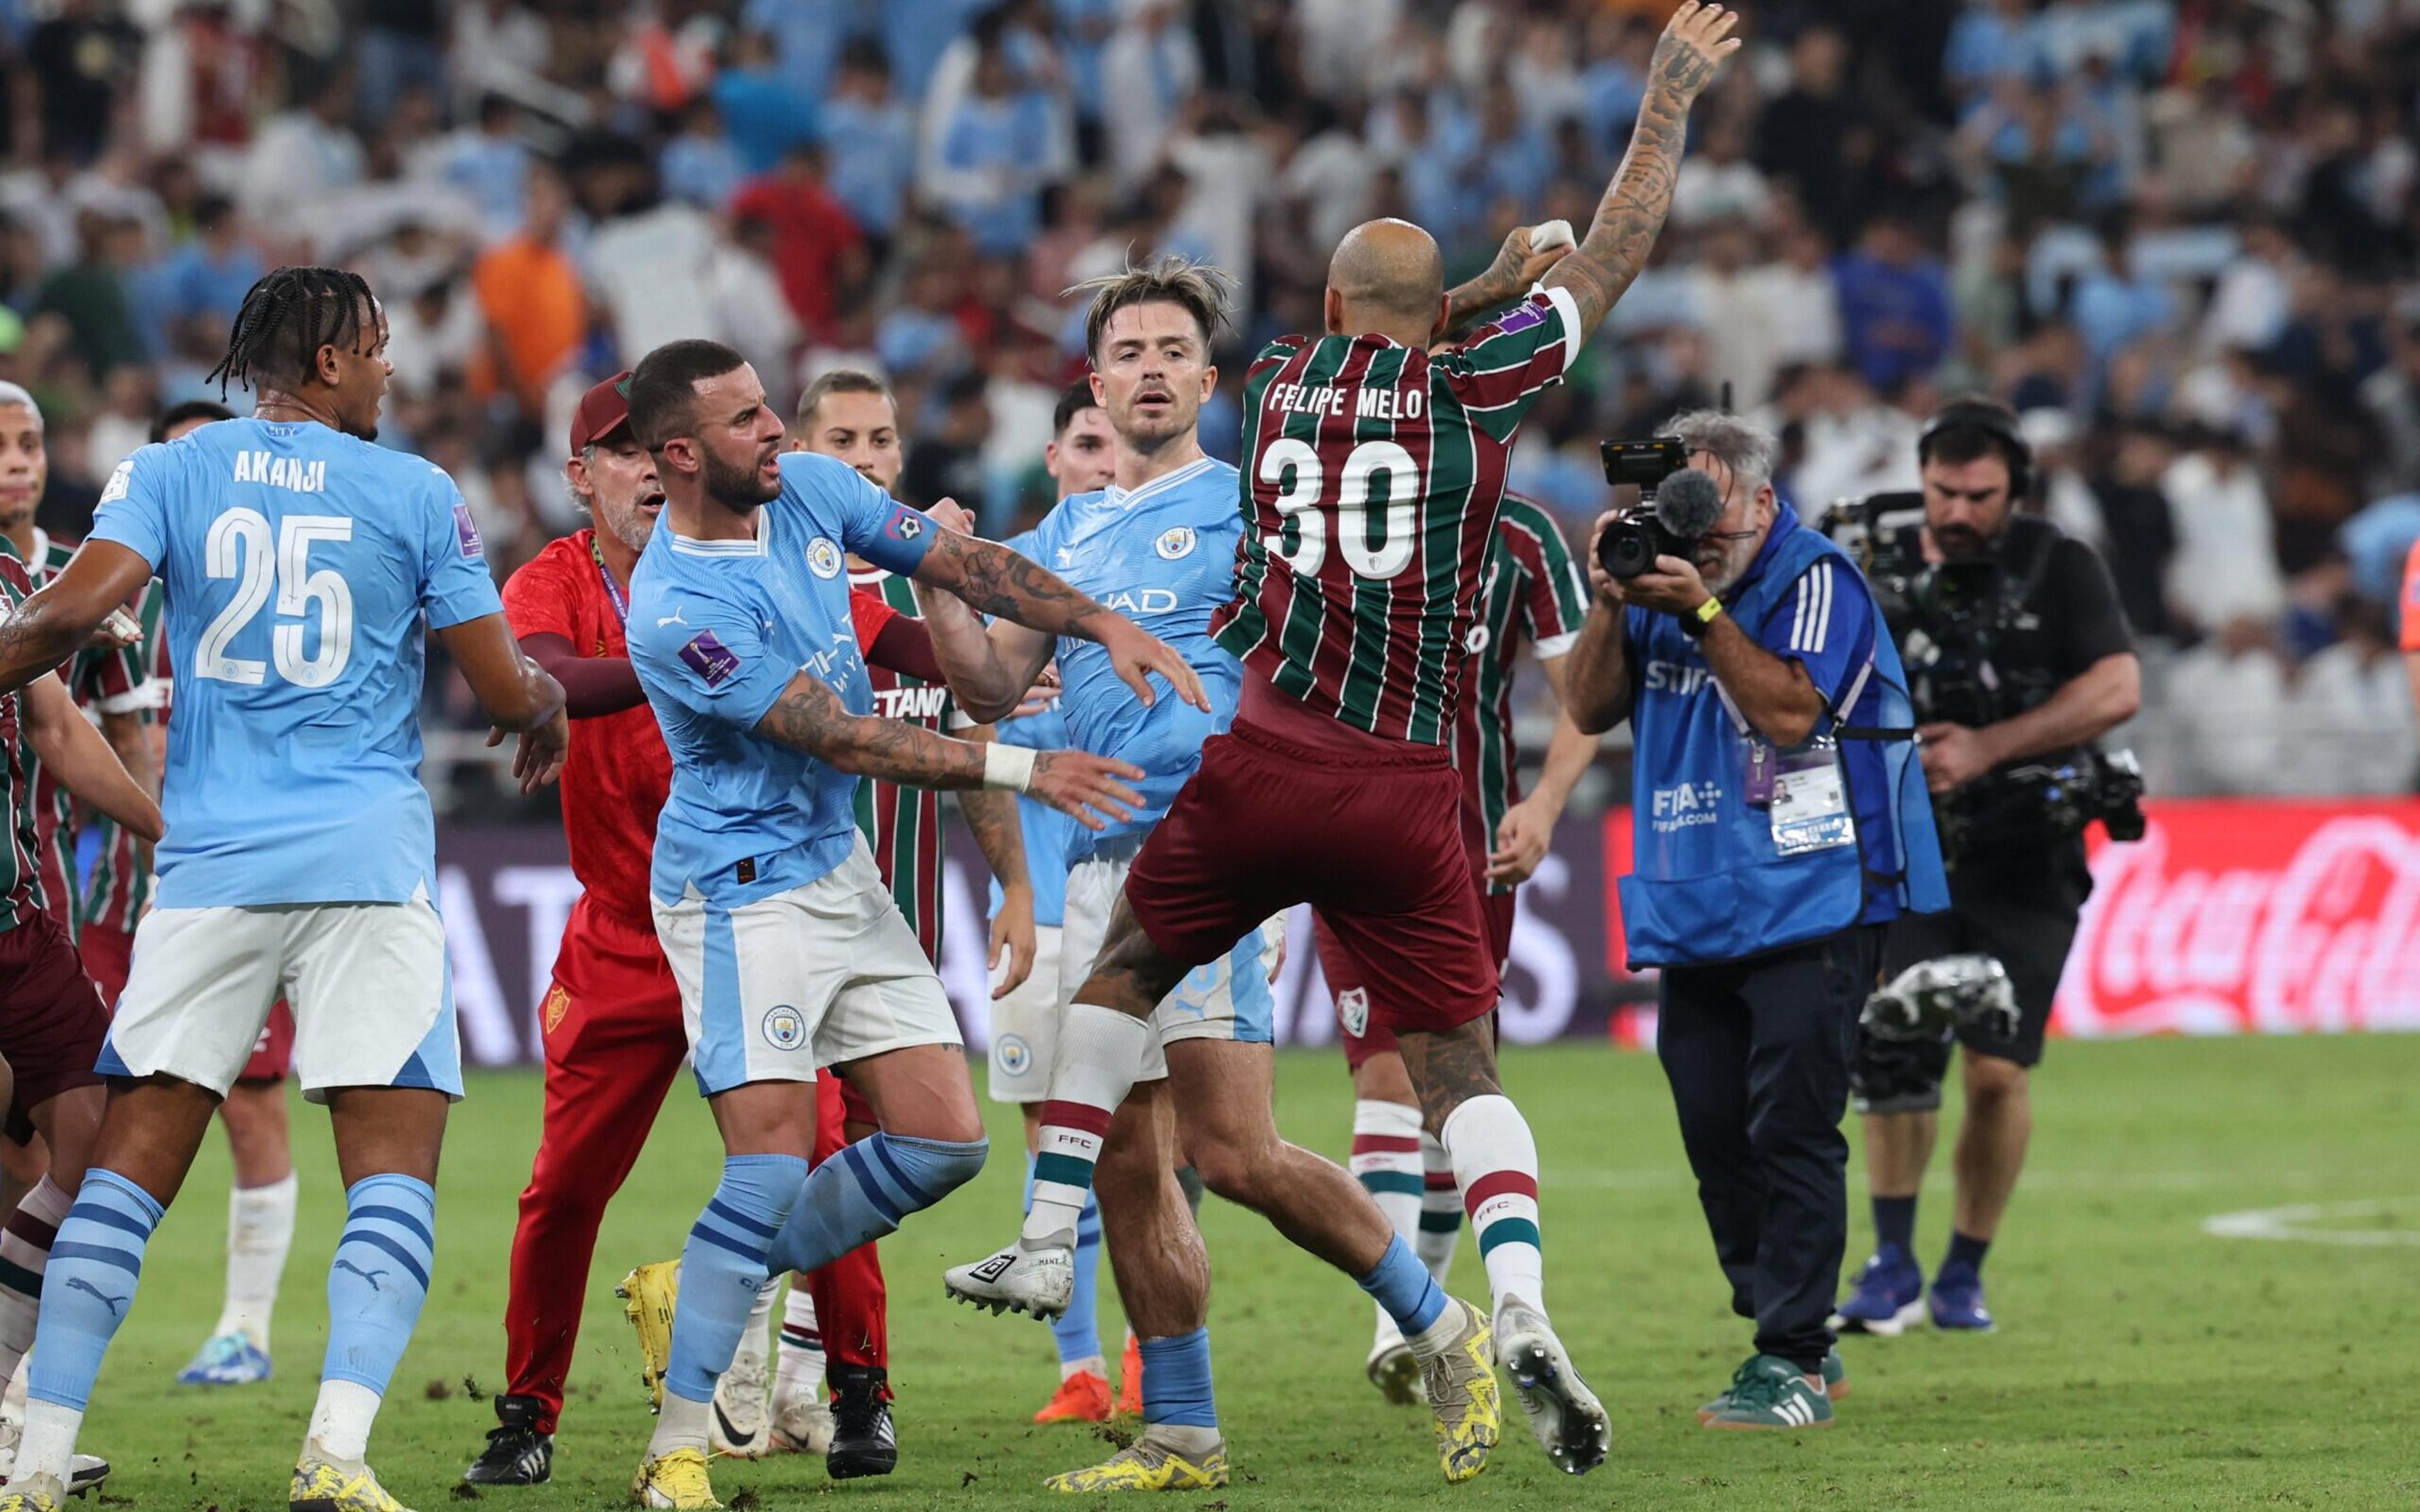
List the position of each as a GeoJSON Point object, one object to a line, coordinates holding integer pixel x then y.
{"type": "Point", "coordinates": [2018, 659]}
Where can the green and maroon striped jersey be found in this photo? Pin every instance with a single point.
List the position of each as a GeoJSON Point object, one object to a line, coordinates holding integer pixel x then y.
{"type": "Point", "coordinates": [1372, 475]}
{"type": "Point", "coordinates": [21, 865]}
{"type": "Point", "coordinates": [904, 825]}
{"type": "Point", "coordinates": [101, 680]}
{"type": "Point", "coordinates": [1533, 594]}
{"type": "Point", "coordinates": [119, 888]}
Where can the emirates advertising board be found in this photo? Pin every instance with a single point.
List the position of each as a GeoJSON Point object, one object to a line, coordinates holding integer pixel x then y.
{"type": "Point", "coordinates": [2227, 917]}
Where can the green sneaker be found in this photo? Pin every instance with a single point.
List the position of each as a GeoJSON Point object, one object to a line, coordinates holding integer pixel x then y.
{"type": "Point", "coordinates": [1769, 1392]}
{"type": "Point", "coordinates": [1835, 1386]}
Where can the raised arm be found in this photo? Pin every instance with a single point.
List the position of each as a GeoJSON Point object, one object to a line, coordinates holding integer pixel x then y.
{"type": "Point", "coordinates": [810, 716]}
{"type": "Point", "coordinates": [47, 627]}
{"type": "Point", "coordinates": [519, 696]}
{"type": "Point", "coordinates": [65, 743]}
{"type": "Point", "coordinates": [995, 581]}
{"type": "Point", "coordinates": [1687, 56]}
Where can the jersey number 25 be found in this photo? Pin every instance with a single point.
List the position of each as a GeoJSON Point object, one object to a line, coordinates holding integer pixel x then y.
{"type": "Point", "coordinates": [240, 546]}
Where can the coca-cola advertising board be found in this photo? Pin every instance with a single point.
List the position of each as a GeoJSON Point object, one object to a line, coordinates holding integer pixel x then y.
{"type": "Point", "coordinates": [2251, 918]}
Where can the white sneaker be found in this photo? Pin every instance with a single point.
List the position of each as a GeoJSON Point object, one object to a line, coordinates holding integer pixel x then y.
{"type": "Point", "coordinates": [802, 1421]}
{"type": "Point", "coordinates": [1018, 1280]}
{"type": "Point", "coordinates": [1395, 1371]}
{"type": "Point", "coordinates": [739, 1421]}
{"type": "Point", "coordinates": [1565, 1415]}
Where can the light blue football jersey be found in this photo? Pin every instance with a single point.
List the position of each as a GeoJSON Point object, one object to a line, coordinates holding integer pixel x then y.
{"type": "Point", "coordinates": [1045, 827]}
{"type": "Point", "coordinates": [303, 568]}
{"type": "Point", "coordinates": [718, 629]}
{"type": "Point", "coordinates": [1163, 556]}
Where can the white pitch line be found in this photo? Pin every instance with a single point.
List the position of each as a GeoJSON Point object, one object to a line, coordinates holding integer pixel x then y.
{"type": "Point", "coordinates": [2294, 1222]}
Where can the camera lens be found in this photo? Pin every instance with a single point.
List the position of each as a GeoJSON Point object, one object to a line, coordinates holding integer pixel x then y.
{"type": "Point", "coordinates": [1626, 549]}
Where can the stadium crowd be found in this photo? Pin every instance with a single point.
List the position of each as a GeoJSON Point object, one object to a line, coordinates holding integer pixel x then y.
{"type": "Point", "coordinates": [2177, 236]}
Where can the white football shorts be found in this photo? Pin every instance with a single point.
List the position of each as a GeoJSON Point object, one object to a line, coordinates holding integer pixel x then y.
{"type": "Point", "coordinates": [821, 975]}
{"type": "Point", "coordinates": [1229, 998]}
{"type": "Point", "coordinates": [1025, 1025]}
{"type": "Point", "coordinates": [372, 997]}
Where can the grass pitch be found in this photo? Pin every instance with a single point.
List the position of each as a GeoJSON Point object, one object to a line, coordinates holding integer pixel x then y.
{"type": "Point", "coordinates": [2142, 1360]}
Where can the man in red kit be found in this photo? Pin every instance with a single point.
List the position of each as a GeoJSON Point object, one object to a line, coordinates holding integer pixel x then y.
{"type": "Point", "coordinates": [612, 1018]}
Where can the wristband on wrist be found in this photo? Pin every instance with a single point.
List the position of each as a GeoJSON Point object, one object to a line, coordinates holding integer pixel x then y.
{"type": "Point", "coordinates": [1694, 622]}
{"type": "Point", "coordinates": [1007, 766]}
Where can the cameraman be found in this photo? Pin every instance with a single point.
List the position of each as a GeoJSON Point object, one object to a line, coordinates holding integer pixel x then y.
{"type": "Point", "coordinates": [1780, 821]}
{"type": "Point", "coordinates": [2046, 664]}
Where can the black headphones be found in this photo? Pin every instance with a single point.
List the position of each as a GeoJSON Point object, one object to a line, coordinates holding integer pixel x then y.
{"type": "Point", "coordinates": [1993, 419]}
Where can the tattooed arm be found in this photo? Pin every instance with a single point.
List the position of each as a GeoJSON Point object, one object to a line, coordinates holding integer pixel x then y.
{"type": "Point", "coordinates": [811, 718]}
{"type": "Point", "coordinates": [47, 628]}
{"type": "Point", "coordinates": [1509, 277]}
{"type": "Point", "coordinates": [1687, 56]}
{"type": "Point", "coordinates": [996, 582]}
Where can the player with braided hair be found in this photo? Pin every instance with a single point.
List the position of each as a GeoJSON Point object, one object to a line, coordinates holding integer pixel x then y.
{"type": "Point", "coordinates": [299, 852]}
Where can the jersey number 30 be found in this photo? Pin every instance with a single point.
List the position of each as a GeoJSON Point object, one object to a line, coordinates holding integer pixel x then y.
{"type": "Point", "coordinates": [241, 546]}
{"type": "Point", "coordinates": [1377, 475]}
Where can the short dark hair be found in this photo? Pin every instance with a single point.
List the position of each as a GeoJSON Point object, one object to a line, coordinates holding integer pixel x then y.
{"type": "Point", "coordinates": [663, 387]}
{"type": "Point", "coordinates": [206, 410]}
{"type": "Point", "coordinates": [842, 381]}
{"type": "Point", "coordinates": [1198, 288]}
{"type": "Point", "coordinates": [1078, 399]}
{"type": "Point", "coordinates": [1969, 428]}
{"type": "Point", "coordinates": [286, 318]}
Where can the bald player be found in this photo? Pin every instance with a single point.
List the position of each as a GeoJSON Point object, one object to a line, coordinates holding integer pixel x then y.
{"type": "Point", "coordinates": [1374, 475]}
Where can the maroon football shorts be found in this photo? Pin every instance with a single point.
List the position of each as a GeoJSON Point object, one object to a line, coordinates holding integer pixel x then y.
{"type": "Point", "coordinates": [52, 1023]}
{"type": "Point", "coordinates": [1364, 1031]}
{"type": "Point", "coordinates": [1374, 843]}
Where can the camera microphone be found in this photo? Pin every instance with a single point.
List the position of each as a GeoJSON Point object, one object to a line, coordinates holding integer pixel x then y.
{"type": "Point", "coordinates": [1688, 505]}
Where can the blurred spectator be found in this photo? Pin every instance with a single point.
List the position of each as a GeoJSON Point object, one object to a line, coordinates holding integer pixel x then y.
{"type": "Point", "coordinates": [2138, 524]}
{"type": "Point", "coordinates": [83, 60]}
{"type": "Point", "coordinates": [2229, 710]}
{"type": "Point", "coordinates": [816, 243]}
{"type": "Point", "coordinates": [434, 334]}
{"type": "Point", "coordinates": [701, 165]}
{"type": "Point", "coordinates": [204, 282]}
{"type": "Point", "coordinates": [1718, 182]}
{"type": "Point", "coordinates": [1156, 64]}
{"type": "Point", "coordinates": [764, 116]}
{"type": "Point", "coordinates": [2351, 711]}
{"type": "Point", "coordinates": [530, 294]}
{"type": "Point", "coordinates": [945, 451]}
{"type": "Point", "coordinates": [90, 293]}
{"type": "Point", "coordinates": [300, 159]}
{"type": "Point", "coordinates": [2391, 397]}
{"type": "Point", "coordinates": [748, 305]}
{"type": "Point", "coordinates": [869, 138]}
{"type": "Point", "coordinates": [2226, 565]}
{"type": "Point", "coordinates": [1893, 304]}
{"type": "Point", "coordinates": [399, 48]}
{"type": "Point", "coordinates": [1801, 134]}
{"type": "Point", "coordinates": [990, 160]}
{"type": "Point", "coordinates": [652, 272]}
{"type": "Point", "coordinates": [490, 164]}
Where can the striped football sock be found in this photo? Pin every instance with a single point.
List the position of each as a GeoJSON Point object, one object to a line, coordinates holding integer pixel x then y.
{"type": "Point", "coordinates": [722, 1269]}
{"type": "Point", "coordinates": [800, 1368]}
{"type": "Point", "coordinates": [24, 1252]}
{"type": "Point", "coordinates": [1496, 1164]}
{"type": "Point", "coordinates": [1100, 1050]}
{"type": "Point", "coordinates": [376, 1284]}
{"type": "Point", "coordinates": [1387, 1161]}
{"type": "Point", "coordinates": [1441, 1209]}
{"type": "Point", "coordinates": [862, 1192]}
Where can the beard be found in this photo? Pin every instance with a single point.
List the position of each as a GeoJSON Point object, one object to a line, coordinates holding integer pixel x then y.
{"type": "Point", "coordinates": [630, 526]}
{"type": "Point", "coordinates": [1960, 543]}
{"type": "Point", "coordinates": [739, 489]}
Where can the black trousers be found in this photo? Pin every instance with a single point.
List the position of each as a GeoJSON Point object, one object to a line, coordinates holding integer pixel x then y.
{"type": "Point", "coordinates": [1758, 1054]}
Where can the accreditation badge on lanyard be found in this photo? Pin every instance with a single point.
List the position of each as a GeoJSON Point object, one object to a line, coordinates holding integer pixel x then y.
{"type": "Point", "coordinates": [1802, 791]}
{"type": "Point", "coordinates": [1810, 801]}
{"type": "Point", "coordinates": [613, 594]}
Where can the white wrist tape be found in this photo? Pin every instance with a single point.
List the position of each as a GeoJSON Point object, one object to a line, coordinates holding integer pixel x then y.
{"type": "Point", "coordinates": [1008, 766]}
